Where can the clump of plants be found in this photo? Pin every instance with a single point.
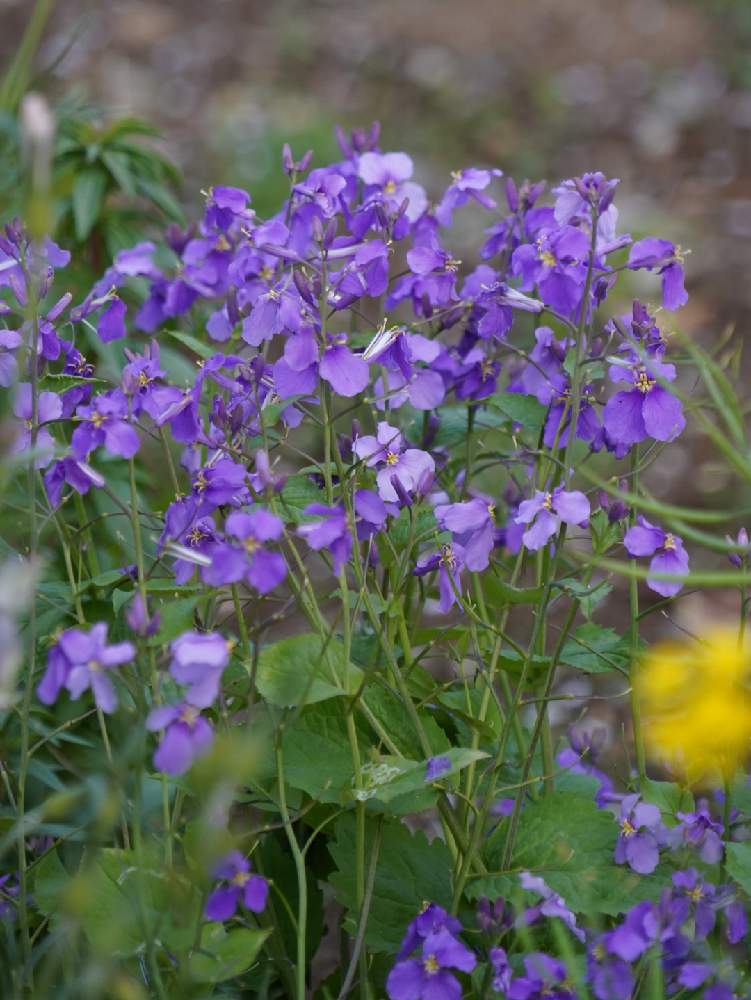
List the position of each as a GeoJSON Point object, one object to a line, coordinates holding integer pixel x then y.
{"type": "Point", "coordinates": [303, 520]}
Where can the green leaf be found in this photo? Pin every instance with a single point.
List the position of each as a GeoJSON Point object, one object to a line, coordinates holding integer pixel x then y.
{"type": "Point", "coordinates": [524, 410]}
{"type": "Point", "coordinates": [588, 596]}
{"type": "Point", "coordinates": [409, 871]}
{"type": "Point", "coordinates": [188, 340]}
{"type": "Point", "coordinates": [118, 165]}
{"type": "Point", "coordinates": [595, 649]}
{"type": "Point", "coordinates": [317, 754]}
{"type": "Point", "coordinates": [394, 718]}
{"type": "Point", "coordinates": [50, 881]}
{"type": "Point", "coordinates": [500, 593]}
{"type": "Point", "coordinates": [175, 617]}
{"type": "Point", "coordinates": [669, 797]}
{"type": "Point", "coordinates": [88, 195]}
{"type": "Point", "coordinates": [568, 841]}
{"type": "Point", "coordinates": [225, 954]}
{"type": "Point", "coordinates": [454, 424]}
{"type": "Point", "coordinates": [300, 670]}
{"type": "Point", "coordinates": [399, 776]}
{"type": "Point", "coordinates": [298, 492]}
{"type": "Point", "coordinates": [61, 383]}
{"type": "Point", "coordinates": [738, 864]}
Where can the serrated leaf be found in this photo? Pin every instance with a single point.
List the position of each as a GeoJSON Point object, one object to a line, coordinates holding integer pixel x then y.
{"type": "Point", "coordinates": [409, 871]}
{"type": "Point", "coordinates": [317, 754]}
{"type": "Point", "coordinates": [88, 195]}
{"type": "Point", "coordinates": [302, 670]}
{"type": "Point", "coordinates": [569, 842]}
{"type": "Point", "coordinates": [225, 954]}
{"type": "Point", "coordinates": [596, 649]}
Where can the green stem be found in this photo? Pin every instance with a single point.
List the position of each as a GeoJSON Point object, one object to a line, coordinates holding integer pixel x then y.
{"type": "Point", "coordinates": [302, 885]}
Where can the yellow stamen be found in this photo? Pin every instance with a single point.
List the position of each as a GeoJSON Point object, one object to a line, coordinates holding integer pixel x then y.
{"type": "Point", "coordinates": [643, 382]}
{"type": "Point", "coordinates": [669, 543]}
{"type": "Point", "coordinates": [547, 503]}
{"type": "Point", "coordinates": [627, 828]}
{"type": "Point", "coordinates": [391, 458]}
{"type": "Point", "coordinates": [390, 187]}
{"type": "Point", "coordinates": [431, 965]}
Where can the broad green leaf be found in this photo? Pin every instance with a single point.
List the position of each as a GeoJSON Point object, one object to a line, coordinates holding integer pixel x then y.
{"type": "Point", "coordinates": [498, 593]}
{"type": "Point", "coordinates": [568, 841]}
{"type": "Point", "coordinates": [302, 670]}
{"type": "Point", "coordinates": [225, 954]}
{"type": "Point", "coordinates": [595, 649]}
{"type": "Point", "coordinates": [409, 871]}
{"type": "Point", "coordinates": [299, 491]}
{"type": "Point", "coordinates": [88, 195]}
{"type": "Point", "coordinates": [61, 383]}
{"type": "Point", "coordinates": [175, 617]}
{"type": "Point", "coordinates": [669, 797]}
{"type": "Point", "coordinates": [317, 754]}
{"type": "Point", "coordinates": [49, 881]}
{"type": "Point", "coordinates": [588, 596]}
{"type": "Point", "coordinates": [738, 864]}
{"type": "Point", "coordinates": [524, 410]}
{"type": "Point", "coordinates": [454, 424]}
{"type": "Point", "coordinates": [390, 712]}
{"type": "Point", "coordinates": [391, 777]}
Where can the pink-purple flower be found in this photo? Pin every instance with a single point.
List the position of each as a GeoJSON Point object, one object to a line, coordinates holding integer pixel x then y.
{"type": "Point", "coordinates": [667, 552]}
{"type": "Point", "coordinates": [239, 886]}
{"type": "Point", "coordinates": [546, 511]}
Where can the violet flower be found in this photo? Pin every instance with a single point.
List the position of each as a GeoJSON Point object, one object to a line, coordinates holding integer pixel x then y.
{"type": "Point", "coordinates": [198, 659]}
{"type": "Point", "coordinates": [49, 407]}
{"type": "Point", "coordinates": [414, 468]}
{"type": "Point", "coordinates": [666, 549]}
{"type": "Point", "coordinates": [104, 422]}
{"type": "Point", "coordinates": [436, 767]}
{"type": "Point", "coordinates": [472, 523]}
{"type": "Point", "coordinates": [699, 831]}
{"type": "Point", "coordinates": [641, 835]}
{"type": "Point", "coordinates": [80, 660]}
{"type": "Point", "coordinates": [665, 258]}
{"type": "Point", "coordinates": [550, 904]}
{"type": "Point", "coordinates": [388, 175]}
{"type": "Point", "coordinates": [431, 919]}
{"type": "Point", "coordinates": [426, 977]}
{"type": "Point", "coordinates": [647, 409]}
{"type": "Point", "coordinates": [449, 561]}
{"type": "Point", "coordinates": [465, 184]}
{"type": "Point", "coordinates": [244, 555]}
{"type": "Point", "coordinates": [545, 513]}
{"type": "Point", "coordinates": [545, 977]}
{"type": "Point", "coordinates": [330, 531]}
{"type": "Point", "coordinates": [239, 888]}
{"type": "Point", "coordinates": [187, 735]}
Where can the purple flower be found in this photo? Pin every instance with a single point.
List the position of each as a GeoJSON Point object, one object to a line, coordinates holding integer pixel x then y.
{"type": "Point", "coordinates": [111, 325]}
{"type": "Point", "coordinates": [414, 468]}
{"type": "Point", "coordinates": [557, 264]}
{"type": "Point", "coordinates": [550, 905]}
{"type": "Point", "coordinates": [449, 561]}
{"type": "Point", "coordinates": [198, 660]}
{"type": "Point", "coordinates": [77, 474]}
{"type": "Point", "coordinates": [346, 373]}
{"type": "Point", "coordinates": [581, 758]}
{"type": "Point", "coordinates": [436, 767]}
{"type": "Point", "coordinates": [545, 977]}
{"type": "Point", "coordinates": [501, 970]}
{"type": "Point", "coordinates": [49, 407]}
{"type": "Point", "coordinates": [245, 556]}
{"type": "Point", "coordinates": [665, 258]}
{"type": "Point", "coordinates": [187, 735]}
{"type": "Point", "coordinates": [80, 660]}
{"type": "Point", "coordinates": [699, 831]}
{"type": "Point", "coordinates": [330, 532]}
{"type": "Point", "coordinates": [698, 898]}
{"type": "Point", "coordinates": [465, 184]}
{"type": "Point", "coordinates": [431, 919]}
{"type": "Point", "coordinates": [544, 377]}
{"type": "Point", "coordinates": [472, 523]}
{"type": "Point", "coordinates": [387, 175]}
{"type": "Point", "coordinates": [105, 422]}
{"type": "Point", "coordinates": [546, 511]}
{"type": "Point", "coordinates": [426, 978]}
{"type": "Point", "coordinates": [646, 410]}
{"type": "Point", "coordinates": [239, 888]}
{"type": "Point", "coordinates": [138, 618]}
{"type": "Point", "coordinates": [610, 977]}
{"type": "Point", "coordinates": [641, 835]}
{"type": "Point", "coordinates": [10, 340]}
{"type": "Point", "coordinates": [666, 549]}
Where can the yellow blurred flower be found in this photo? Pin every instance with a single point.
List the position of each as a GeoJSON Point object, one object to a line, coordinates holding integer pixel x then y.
{"type": "Point", "coordinates": [696, 703]}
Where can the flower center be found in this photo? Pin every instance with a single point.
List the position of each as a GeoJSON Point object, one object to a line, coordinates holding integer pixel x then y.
{"type": "Point", "coordinates": [447, 557]}
{"type": "Point", "coordinates": [547, 503]}
{"type": "Point", "coordinates": [201, 482]}
{"type": "Point", "coordinates": [189, 715]}
{"type": "Point", "coordinates": [222, 244]}
{"type": "Point", "coordinates": [456, 176]}
{"type": "Point", "coordinates": [486, 368]}
{"type": "Point", "coordinates": [94, 666]}
{"type": "Point", "coordinates": [391, 458]}
{"type": "Point", "coordinates": [452, 264]}
{"type": "Point", "coordinates": [196, 536]}
{"type": "Point", "coordinates": [97, 419]}
{"type": "Point", "coordinates": [143, 380]}
{"type": "Point", "coordinates": [696, 894]}
{"type": "Point", "coordinates": [251, 545]}
{"type": "Point", "coordinates": [491, 512]}
{"type": "Point", "coordinates": [390, 187]}
{"type": "Point", "coordinates": [627, 828]}
{"type": "Point", "coordinates": [547, 259]}
{"type": "Point", "coordinates": [431, 965]}
{"type": "Point", "coordinates": [267, 272]}
{"type": "Point", "coordinates": [643, 382]}
{"type": "Point", "coordinates": [240, 878]}
{"type": "Point", "coordinates": [669, 543]}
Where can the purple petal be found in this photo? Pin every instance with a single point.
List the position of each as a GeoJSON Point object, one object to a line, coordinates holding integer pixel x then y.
{"type": "Point", "coordinates": [222, 903]}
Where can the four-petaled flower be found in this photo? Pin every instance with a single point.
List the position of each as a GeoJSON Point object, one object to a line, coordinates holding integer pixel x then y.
{"type": "Point", "coordinates": [666, 549]}
{"type": "Point", "coordinates": [240, 887]}
{"type": "Point", "coordinates": [545, 513]}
